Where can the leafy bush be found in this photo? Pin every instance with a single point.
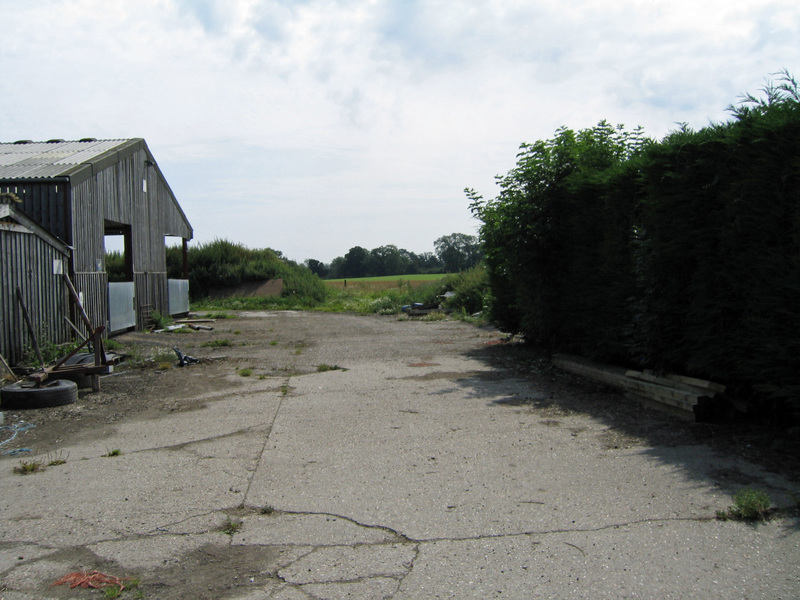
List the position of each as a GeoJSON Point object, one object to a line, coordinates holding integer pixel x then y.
{"type": "Point", "coordinates": [471, 289]}
{"type": "Point", "coordinates": [223, 264]}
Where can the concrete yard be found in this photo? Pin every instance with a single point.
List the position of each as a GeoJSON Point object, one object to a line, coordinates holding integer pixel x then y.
{"type": "Point", "coordinates": [371, 457]}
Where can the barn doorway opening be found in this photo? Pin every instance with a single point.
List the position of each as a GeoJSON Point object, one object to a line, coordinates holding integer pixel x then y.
{"type": "Point", "coordinates": [118, 252]}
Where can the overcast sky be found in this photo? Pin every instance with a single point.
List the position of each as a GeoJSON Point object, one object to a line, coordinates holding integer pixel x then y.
{"type": "Point", "coordinates": [313, 126]}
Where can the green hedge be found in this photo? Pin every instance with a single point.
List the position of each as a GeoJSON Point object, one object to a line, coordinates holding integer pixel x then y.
{"type": "Point", "coordinates": [682, 255]}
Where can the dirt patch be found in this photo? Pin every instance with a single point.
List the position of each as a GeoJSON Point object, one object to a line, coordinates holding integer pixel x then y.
{"type": "Point", "coordinates": [214, 572]}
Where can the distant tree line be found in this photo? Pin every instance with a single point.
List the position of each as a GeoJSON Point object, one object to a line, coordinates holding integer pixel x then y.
{"type": "Point", "coordinates": [453, 253]}
{"type": "Point", "coordinates": [680, 255]}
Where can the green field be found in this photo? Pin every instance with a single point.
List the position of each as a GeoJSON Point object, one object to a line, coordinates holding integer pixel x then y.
{"type": "Point", "coordinates": [387, 281]}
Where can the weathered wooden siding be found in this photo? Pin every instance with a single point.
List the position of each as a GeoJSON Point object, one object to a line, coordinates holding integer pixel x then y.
{"type": "Point", "coordinates": [132, 192]}
{"type": "Point", "coordinates": [123, 186]}
{"type": "Point", "coordinates": [93, 290]}
{"type": "Point", "coordinates": [151, 295]}
{"type": "Point", "coordinates": [26, 261]}
{"type": "Point", "coordinates": [45, 201]}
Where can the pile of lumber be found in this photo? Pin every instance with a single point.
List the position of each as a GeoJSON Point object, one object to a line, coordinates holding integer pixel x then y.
{"type": "Point", "coordinates": [686, 395]}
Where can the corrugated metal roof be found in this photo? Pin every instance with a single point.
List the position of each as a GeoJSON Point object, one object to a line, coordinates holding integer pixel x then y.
{"type": "Point", "coordinates": [44, 160]}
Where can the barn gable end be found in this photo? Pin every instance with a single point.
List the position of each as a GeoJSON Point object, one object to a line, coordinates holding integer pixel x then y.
{"type": "Point", "coordinates": [78, 192]}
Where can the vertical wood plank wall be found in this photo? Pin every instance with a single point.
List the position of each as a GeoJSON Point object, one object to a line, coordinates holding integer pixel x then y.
{"type": "Point", "coordinates": [26, 261]}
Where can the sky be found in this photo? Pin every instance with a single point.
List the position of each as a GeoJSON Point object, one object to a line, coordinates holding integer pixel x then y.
{"type": "Point", "coordinates": [313, 126]}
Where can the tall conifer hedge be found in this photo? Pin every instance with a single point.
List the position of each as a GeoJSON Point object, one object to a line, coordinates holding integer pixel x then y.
{"type": "Point", "coordinates": [681, 255]}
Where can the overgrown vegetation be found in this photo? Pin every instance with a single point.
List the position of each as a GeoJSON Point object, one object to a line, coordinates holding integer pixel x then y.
{"type": "Point", "coordinates": [224, 264]}
{"type": "Point", "coordinates": [679, 255]}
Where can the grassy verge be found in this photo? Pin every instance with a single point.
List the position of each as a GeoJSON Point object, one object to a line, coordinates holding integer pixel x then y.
{"type": "Point", "coordinates": [378, 295]}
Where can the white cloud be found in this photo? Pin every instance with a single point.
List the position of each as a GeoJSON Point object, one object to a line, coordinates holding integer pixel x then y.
{"type": "Point", "coordinates": [315, 126]}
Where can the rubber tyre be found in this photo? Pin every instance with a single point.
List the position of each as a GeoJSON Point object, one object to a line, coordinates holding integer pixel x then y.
{"type": "Point", "coordinates": [57, 393]}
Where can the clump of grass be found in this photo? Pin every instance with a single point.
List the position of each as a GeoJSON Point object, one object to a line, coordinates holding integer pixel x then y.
{"type": "Point", "coordinates": [273, 343]}
{"type": "Point", "coordinates": [27, 467]}
{"type": "Point", "coordinates": [748, 505]}
{"type": "Point", "coordinates": [160, 321]}
{"type": "Point", "coordinates": [231, 525]}
{"type": "Point", "coordinates": [246, 372]}
{"type": "Point", "coordinates": [112, 592]}
{"type": "Point", "coordinates": [284, 390]}
{"type": "Point", "coordinates": [57, 459]}
{"type": "Point", "coordinates": [219, 315]}
{"type": "Point", "coordinates": [112, 344]}
{"type": "Point", "coordinates": [115, 591]}
{"type": "Point", "coordinates": [163, 360]}
{"type": "Point", "coordinates": [267, 509]}
{"type": "Point", "coordinates": [434, 316]}
{"type": "Point", "coordinates": [216, 343]}
{"type": "Point", "coordinates": [323, 368]}
{"type": "Point", "coordinates": [113, 452]}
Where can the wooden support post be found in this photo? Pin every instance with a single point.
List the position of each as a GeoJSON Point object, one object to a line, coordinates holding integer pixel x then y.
{"type": "Point", "coordinates": [77, 300]}
{"type": "Point", "coordinates": [5, 364]}
{"type": "Point", "coordinates": [75, 329]}
{"type": "Point", "coordinates": [30, 327]}
{"type": "Point", "coordinates": [185, 259]}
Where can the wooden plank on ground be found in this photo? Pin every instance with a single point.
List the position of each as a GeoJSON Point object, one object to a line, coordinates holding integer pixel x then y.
{"type": "Point", "coordinates": [675, 391]}
{"type": "Point", "coordinates": [575, 364]}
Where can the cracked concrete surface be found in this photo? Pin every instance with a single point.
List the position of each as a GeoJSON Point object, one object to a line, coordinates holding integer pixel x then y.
{"type": "Point", "coordinates": [422, 471]}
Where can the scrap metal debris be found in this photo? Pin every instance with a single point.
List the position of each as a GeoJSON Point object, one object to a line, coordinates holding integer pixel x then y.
{"type": "Point", "coordinates": [184, 359]}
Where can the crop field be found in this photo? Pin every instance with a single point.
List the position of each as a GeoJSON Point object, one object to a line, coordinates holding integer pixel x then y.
{"type": "Point", "coordinates": [383, 283]}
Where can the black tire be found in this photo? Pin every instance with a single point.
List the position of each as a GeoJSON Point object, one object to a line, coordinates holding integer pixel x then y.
{"type": "Point", "coordinates": [52, 393]}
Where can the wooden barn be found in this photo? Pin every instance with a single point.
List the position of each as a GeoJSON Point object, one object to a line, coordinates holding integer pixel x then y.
{"type": "Point", "coordinates": [60, 203]}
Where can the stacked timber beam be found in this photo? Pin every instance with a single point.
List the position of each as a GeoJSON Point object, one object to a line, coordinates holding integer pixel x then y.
{"type": "Point", "coordinates": [686, 395]}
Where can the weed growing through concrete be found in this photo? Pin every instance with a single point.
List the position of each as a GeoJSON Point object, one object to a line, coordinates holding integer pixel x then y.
{"type": "Point", "coordinates": [748, 505]}
{"type": "Point", "coordinates": [57, 459]}
{"type": "Point", "coordinates": [284, 390]}
{"type": "Point", "coordinates": [116, 592]}
{"type": "Point", "coordinates": [273, 343]}
{"type": "Point", "coordinates": [231, 525]}
{"type": "Point", "coordinates": [27, 467]}
{"type": "Point", "coordinates": [246, 372]}
{"type": "Point", "coordinates": [113, 452]}
{"type": "Point", "coordinates": [323, 368]}
{"type": "Point", "coordinates": [267, 509]}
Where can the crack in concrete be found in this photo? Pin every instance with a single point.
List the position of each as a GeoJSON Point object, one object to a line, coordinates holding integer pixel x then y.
{"type": "Point", "coordinates": [286, 381]}
{"type": "Point", "coordinates": [544, 532]}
